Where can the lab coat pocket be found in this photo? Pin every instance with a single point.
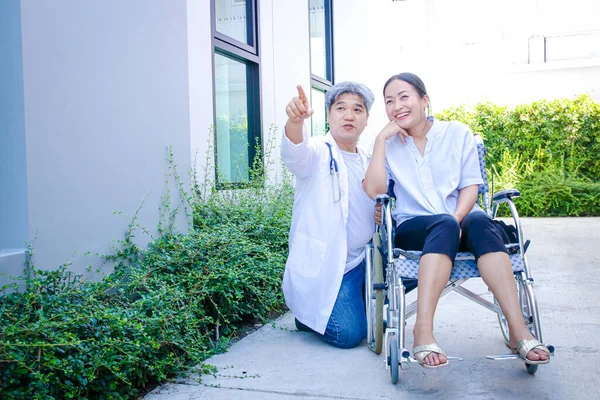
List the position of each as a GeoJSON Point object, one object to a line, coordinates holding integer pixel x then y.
{"type": "Point", "coordinates": [306, 255]}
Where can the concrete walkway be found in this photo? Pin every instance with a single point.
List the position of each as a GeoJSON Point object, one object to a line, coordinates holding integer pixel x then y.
{"type": "Point", "coordinates": [277, 362]}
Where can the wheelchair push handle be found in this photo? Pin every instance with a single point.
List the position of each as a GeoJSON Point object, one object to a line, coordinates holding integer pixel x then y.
{"type": "Point", "coordinates": [382, 198]}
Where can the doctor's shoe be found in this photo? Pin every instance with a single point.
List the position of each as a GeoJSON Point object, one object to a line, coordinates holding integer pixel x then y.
{"type": "Point", "coordinates": [301, 327]}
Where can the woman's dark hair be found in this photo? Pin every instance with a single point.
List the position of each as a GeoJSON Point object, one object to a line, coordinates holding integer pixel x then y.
{"type": "Point", "coordinates": [415, 82]}
{"type": "Point", "coordinates": [411, 79]}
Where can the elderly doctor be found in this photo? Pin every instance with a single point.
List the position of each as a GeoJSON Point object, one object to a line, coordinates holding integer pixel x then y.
{"type": "Point", "coordinates": [332, 217]}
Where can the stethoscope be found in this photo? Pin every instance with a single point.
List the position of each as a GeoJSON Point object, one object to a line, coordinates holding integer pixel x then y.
{"type": "Point", "coordinates": [333, 170]}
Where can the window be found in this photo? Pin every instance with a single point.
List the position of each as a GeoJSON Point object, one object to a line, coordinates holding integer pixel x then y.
{"type": "Point", "coordinates": [236, 87]}
{"type": "Point", "coordinates": [319, 118]}
{"type": "Point", "coordinates": [321, 61]}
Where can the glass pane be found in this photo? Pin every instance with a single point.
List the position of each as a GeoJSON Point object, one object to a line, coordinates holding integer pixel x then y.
{"type": "Point", "coordinates": [232, 119]}
{"type": "Point", "coordinates": [319, 117]}
{"type": "Point", "coordinates": [318, 64]}
{"type": "Point", "coordinates": [231, 19]}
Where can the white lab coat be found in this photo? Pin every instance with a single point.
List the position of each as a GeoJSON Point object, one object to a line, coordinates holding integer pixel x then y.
{"type": "Point", "coordinates": [318, 239]}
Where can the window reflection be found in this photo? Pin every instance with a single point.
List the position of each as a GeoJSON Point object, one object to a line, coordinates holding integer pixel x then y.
{"type": "Point", "coordinates": [318, 64]}
{"type": "Point", "coordinates": [231, 19]}
{"type": "Point", "coordinates": [319, 117]}
{"type": "Point", "coordinates": [232, 120]}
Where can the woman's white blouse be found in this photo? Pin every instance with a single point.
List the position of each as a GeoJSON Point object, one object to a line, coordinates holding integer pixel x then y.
{"type": "Point", "coordinates": [429, 184]}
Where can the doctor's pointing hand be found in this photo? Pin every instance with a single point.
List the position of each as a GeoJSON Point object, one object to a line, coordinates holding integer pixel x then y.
{"type": "Point", "coordinates": [298, 108]}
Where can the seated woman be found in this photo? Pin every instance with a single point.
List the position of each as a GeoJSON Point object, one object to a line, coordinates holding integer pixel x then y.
{"type": "Point", "coordinates": [435, 168]}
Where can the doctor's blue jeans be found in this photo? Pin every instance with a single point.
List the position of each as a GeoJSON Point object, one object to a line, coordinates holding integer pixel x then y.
{"type": "Point", "coordinates": [347, 325]}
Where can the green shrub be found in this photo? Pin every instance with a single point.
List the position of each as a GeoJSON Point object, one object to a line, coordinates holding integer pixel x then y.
{"type": "Point", "coordinates": [555, 195]}
{"type": "Point", "coordinates": [162, 310]}
{"type": "Point", "coordinates": [67, 338]}
{"type": "Point", "coordinates": [547, 149]}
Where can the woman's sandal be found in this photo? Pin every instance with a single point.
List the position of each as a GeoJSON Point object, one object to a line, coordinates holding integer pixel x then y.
{"type": "Point", "coordinates": [525, 346]}
{"type": "Point", "coordinates": [422, 351]}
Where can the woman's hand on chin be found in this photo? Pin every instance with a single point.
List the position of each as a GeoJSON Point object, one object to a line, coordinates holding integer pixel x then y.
{"type": "Point", "coordinates": [392, 129]}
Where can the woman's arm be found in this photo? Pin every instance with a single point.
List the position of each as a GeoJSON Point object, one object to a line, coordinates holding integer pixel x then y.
{"type": "Point", "coordinates": [375, 182]}
{"type": "Point", "coordinates": [467, 197]}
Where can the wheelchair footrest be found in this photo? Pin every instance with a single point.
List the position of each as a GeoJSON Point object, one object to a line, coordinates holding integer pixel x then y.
{"type": "Point", "coordinates": [503, 357]}
{"type": "Point", "coordinates": [514, 356]}
{"type": "Point", "coordinates": [449, 358]}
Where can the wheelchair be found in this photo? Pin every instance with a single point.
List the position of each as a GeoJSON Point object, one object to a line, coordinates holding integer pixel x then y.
{"type": "Point", "coordinates": [391, 272]}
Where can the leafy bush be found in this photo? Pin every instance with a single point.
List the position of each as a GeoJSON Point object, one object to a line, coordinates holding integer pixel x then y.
{"type": "Point", "coordinates": [162, 310]}
{"type": "Point", "coordinates": [547, 149]}
{"type": "Point", "coordinates": [67, 338]}
{"type": "Point", "coordinates": [557, 195]}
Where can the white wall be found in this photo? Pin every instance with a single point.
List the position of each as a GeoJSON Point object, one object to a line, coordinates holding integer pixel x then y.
{"type": "Point", "coordinates": [200, 67]}
{"type": "Point", "coordinates": [13, 181]}
{"type": "Point", "coordinates": [106, 92]}
{"type": "Point", "coordinates": [14, 232]}
{"type": "Point", "coordinates": [290, 59]}
{"type": "Point", "coordinates": [270, 111]}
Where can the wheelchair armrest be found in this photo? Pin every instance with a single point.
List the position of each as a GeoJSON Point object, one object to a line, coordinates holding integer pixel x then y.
{"type": "Point", "coordinates": [505, 195]}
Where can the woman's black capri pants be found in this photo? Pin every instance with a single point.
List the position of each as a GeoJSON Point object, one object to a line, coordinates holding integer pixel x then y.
{"type": "Point", "coordinates": [440, 234]}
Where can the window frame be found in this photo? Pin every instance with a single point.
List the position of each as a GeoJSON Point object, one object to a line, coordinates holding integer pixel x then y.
{"type": "Point", "coordinates": [251, 29]}
{"type": "Point", "coordinates": [324, 82]}
{"type": "Point", "coordinates": [249, 55]}
{"type": "Point", "coordinates": [317, 82]}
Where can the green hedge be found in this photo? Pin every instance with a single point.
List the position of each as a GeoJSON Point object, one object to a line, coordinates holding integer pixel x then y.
{"type": "Point", "coordinates": [549, 150]}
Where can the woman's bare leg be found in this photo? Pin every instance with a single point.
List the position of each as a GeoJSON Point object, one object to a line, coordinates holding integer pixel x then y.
{"type": "Point", "coordinates": [434, 272]}
{"type": "Point", "coordinates": [496, 271]}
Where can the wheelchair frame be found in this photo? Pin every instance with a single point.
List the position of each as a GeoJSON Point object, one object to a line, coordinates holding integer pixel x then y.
{"type": "Point", "coordinates": [377, 289]}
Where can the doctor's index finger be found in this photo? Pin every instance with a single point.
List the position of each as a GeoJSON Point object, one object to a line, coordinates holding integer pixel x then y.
{"type": "Point", "coordinates": [302, 95]}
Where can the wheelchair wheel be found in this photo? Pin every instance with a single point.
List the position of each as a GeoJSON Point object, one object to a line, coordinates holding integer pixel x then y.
{"type": "Point", "coordinates": [503, 325]}
{"type": "Point", "coordinates": [531, 368]}
{"type": "Point", "coordinates": [393, 360]}
{"type": "Point", "coordinates": [377, 280]}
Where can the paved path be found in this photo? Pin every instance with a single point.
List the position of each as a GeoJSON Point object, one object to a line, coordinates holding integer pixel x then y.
{"type": "Point", "coordinates": [277, 363]}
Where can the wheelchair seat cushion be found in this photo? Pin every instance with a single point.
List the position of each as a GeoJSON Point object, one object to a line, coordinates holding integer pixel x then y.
{"type": "Point", "coordinates": [407, 263]}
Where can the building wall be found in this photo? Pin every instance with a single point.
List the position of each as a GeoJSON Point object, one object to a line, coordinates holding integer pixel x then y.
{"type": "Point", "coordinates": [105, 88]}
{"type": "Point", "coordinates": [290, 54]}
{"type": "Point", "coordinates": [14, 232]}
{"type": "Point", "coordinates": [106, 92]}
{"type": "Point", "coordinates": [200, 66]}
